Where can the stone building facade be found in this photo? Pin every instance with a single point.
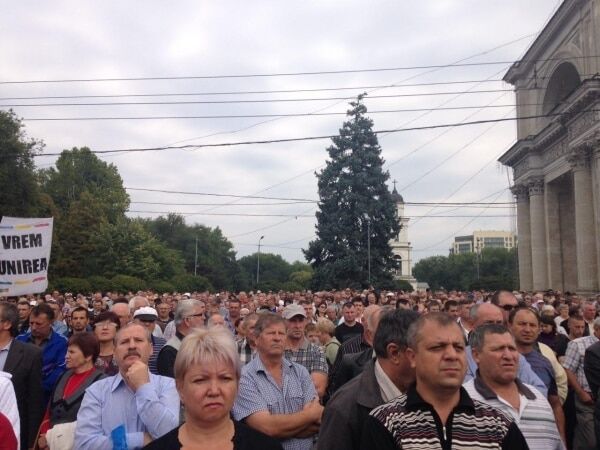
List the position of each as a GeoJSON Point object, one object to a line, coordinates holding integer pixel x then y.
{"type": "Point", "coordinates": [556, 159]}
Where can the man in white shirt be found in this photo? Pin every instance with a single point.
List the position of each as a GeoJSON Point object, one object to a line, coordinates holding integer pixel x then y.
{"type": "Point", "coordinates": [497, 384]}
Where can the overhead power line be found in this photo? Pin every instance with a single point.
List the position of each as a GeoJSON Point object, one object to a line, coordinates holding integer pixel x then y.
{"type": "Point", "coordinates": [453, 204]}
{"type": "Point", "coordinates": [252, 116]}
{"type": "Point", "coordinates": [276, 91]}
{"type": "Point", "coordinates": [184, 213]}
{"type": "Point", "coordinates": [212, 194]}
{"type": "Point", "coordinates": [313, 138]}
{"type": "Point", "coordinates": [287, 74]}
{"type": "Point", "coordinates": [224, 204]}
{"type": "Point", "coordinates": [284, 100]}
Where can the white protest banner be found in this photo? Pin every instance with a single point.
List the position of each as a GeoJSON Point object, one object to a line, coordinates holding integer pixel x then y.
{"type": "Point", "coordinates": [24, 255]}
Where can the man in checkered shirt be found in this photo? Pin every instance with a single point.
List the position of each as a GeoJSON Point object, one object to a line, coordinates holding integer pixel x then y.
{"type": "Point", "coordinates": [300, 350]}
{"type": "Point", "coordinates": [585, 437]}
{"type": "Point", "coordinates": [277, 396]}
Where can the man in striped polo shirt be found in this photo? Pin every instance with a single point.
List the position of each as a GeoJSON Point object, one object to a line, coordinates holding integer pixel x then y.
{"type": "Point", "coordinates": [436, 412]}
{"type": "Point", "coordinates": [497, 384]}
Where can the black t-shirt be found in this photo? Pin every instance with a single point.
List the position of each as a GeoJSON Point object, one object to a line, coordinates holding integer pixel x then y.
{"type": "Point", "coordinates": [343, 332]}
{"type": "Point", "coordinates": [244, 438]}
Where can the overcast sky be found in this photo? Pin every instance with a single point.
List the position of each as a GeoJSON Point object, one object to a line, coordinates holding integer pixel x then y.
{"type": "Point", "coordinates": [66, 40]}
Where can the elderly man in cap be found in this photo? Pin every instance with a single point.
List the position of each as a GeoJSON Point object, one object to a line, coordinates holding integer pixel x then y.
{"type": "Point", "coordinates": [147, 317]}
{"type": "Point", "coordinates": [300, 350]}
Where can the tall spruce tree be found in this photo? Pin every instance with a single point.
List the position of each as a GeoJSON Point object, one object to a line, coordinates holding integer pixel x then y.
{"type": "Point", "coordinates": [354, 201]}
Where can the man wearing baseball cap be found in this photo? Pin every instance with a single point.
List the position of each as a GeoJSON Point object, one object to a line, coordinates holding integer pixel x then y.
{"type": "Point", "coordinates": [147, 317]}
{"type": "Point", "coordinates": [300, 350]}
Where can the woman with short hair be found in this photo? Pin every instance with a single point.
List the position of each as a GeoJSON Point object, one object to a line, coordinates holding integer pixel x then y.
{"type": "Point", "coordinates": [207, 374]}
{"type": "Point", "coordinates": [106, 325]}
{"type": "Point", "coordinates": [58, 427]}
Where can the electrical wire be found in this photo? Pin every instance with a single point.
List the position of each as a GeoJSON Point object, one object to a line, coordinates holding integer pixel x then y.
{"type": "Point", "coordinates": [290, 74]}
{"type": "Point", "coordinates": [305, 216]}
{"type": "Point", "coordinates": [312, 138]}
{"type": "Point", "coordinates": [277, 91]}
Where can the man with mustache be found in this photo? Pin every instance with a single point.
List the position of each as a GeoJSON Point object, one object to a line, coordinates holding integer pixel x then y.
{"type": "Point", "coordinates": [132, 407]}
{"type": "Point", "coordinates": [436, 412]}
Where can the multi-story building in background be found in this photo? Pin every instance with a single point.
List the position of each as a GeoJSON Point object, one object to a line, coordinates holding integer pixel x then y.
{"type": "Point", "coordinates": [481, 239]}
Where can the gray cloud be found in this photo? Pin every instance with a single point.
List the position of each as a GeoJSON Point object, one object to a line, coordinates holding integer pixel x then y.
{"type": "Point", "coordinates": [68, 39]}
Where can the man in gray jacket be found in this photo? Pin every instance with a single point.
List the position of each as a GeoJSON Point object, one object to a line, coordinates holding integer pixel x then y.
{"type": "Point", "coordinates": [383, 379]}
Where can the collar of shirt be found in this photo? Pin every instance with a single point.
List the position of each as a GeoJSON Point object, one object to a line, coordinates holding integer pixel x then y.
{"type": "Point", "coordinates": [117, 380]}
{"type": "Point", "coordinates": [487, 392]}
{"type": "Point", "coordinates": [7, 346]}
{"type": "Point", "coordinates": [415, 402]}
{"type": "Point", "coordinates": [304, 346]}
{"type": "Point", "coordinates": [260, 367]}
{"type": "Point", "coordinates": [389, 390]}
{"type": "Point", "coordinates": [43, 342]}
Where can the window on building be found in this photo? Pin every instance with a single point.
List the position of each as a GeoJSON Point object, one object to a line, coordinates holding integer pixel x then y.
{"type": "Point", "coordinates": [398, 264]}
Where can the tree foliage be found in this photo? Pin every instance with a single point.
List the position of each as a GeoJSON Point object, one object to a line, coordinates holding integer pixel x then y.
{"type": "Point", "coordinates": [355, 209]}
{"type": "Point", "coordinates": [494, 268]}
{"type": "Point", "coordinates": [215, 255]}
{"type": "Point", "coordinates": [19, 191]}
{"type": "Point", "coordinates": [79, 171]}
{"type": "Point", "coordinates": [275, 273]}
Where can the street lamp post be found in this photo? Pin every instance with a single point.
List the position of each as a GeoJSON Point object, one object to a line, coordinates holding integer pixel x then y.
{"type": "Point", "coordinates": [366, 218]}
{"type": "Point", "coordinates": [258, 262]}
{"type": "Point", "coordinates": [369, 251]}
{"type": "Point", "coordinates": [196, 258]}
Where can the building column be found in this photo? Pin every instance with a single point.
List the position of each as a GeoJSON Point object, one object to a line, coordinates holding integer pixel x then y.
{"type": "Point", "coordinates": [539, 265]}
{"type": "Point", "coordinates": [524, 237]}
{"type": "Point", "coordinates": [553, 237]}
{"type": "Point", "coordinates": [585, 233]}
{"type": "Point", "coordinates": [595, 160]}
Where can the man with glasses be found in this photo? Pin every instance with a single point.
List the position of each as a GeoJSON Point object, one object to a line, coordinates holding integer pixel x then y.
{"type": "Point", "coordinates": [506, 301]}
{"type": "Point", "coordinates": [189, 315]}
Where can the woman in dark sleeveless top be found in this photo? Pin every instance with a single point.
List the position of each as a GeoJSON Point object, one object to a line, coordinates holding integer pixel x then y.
{"type": "Point", "coordinates": [82, 351]}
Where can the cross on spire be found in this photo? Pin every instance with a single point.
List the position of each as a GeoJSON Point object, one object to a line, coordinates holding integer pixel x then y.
{"type": "Point", "coordinates": [394, 182]}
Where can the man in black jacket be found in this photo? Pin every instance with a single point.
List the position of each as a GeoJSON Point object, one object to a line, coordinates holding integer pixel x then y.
{"type": "Point", "coordinates": [591, 367]}
{"type": "Point", "coordinates": [381, 380]}
{"type": "Point", "coordinates": [24, 362]}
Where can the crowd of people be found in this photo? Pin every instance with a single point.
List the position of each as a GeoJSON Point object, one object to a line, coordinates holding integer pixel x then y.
{"type": "Point", "coordinates": [330, 370]}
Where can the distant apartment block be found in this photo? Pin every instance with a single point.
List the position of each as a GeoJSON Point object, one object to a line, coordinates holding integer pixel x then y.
{"type": "Point", "coordinates": [479, 240]}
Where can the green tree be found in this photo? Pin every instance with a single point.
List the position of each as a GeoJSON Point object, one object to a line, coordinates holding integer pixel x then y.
{"type": "Point", "coordinates": [274, 271]}
{"type": "Point", "coordinates": [19, 192]}
{"type": "Point", "coordinates": [127, 248]}
{"type": "Point", "coordinates": [74, 254]}
{"type": "Point", "coordinates": [215, 255]}
{"type": "Point", "coordinates": [355, 210]}
{"type": "Point", "coordinates": [79, 170]}
{"type": "Point", "coordinates": [493, 269]}
{"type": "Point", "coordinates": [434, 270]}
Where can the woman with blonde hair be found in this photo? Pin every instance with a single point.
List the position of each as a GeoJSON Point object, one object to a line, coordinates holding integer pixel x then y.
{"type": "Point", "coordinates": [207, 374]}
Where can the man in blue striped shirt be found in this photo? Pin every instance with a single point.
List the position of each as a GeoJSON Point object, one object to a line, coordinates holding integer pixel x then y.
{"type": "Point", "coordinates": [277, 396]}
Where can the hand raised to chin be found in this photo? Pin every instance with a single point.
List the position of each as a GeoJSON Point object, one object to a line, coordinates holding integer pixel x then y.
{"type": "Point", "coordinates": [137, 375]}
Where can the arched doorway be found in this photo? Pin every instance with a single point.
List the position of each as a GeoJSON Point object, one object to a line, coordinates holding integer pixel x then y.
{"type": "Point", "coordinates": [563, 82]}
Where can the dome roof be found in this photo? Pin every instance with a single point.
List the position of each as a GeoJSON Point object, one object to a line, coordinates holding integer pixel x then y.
{"type": "Point", "coordinates": [397, 197]}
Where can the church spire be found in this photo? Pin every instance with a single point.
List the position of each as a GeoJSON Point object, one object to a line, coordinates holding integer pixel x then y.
{"type": "Point", "coordinates": [395, 195]}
